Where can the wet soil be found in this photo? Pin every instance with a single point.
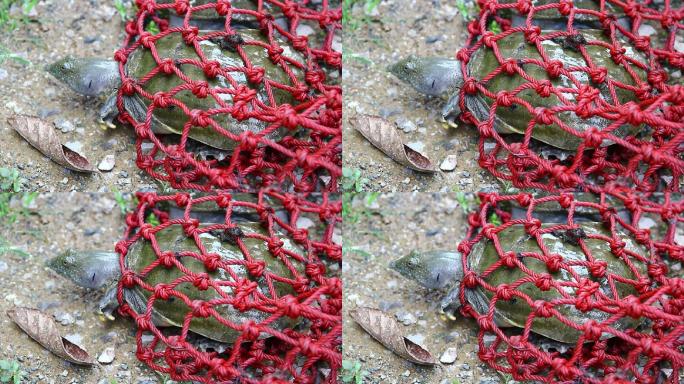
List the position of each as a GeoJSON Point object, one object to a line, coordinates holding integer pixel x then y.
{"type": "Point", "coordinates": [57, 29]}
{"type": "Point", "coordinates": [393, 31]}
{"type": "Point", "coordinates": [393, 226]}
{"type": "Point", "coordinates": [56, 222]}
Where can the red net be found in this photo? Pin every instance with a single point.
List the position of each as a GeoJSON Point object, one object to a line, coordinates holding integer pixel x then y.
{"type": "Point", "coordinates": [269, 292]}
{"type": "Point", "coordinates": [256, 81]}
{"type": "Point", "coordinates": [601, 273]}
{"type": "Point", "coordinates": [601, 94]}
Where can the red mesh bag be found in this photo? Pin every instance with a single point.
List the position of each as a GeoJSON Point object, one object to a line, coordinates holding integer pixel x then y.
{"type": "Point", "coordinates": [617, 279]}
{"type": "Point", "coordinates": [263, 87]}
{"type": "Point", "coordinates": [282, 269]}
{"type": "Point", "coordinates": [640, 112]}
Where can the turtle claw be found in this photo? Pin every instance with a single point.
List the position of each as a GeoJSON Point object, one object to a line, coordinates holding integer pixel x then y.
{"type": "Point", "coordinates": [108, 304]}
{"type": "Point", "coordinates": [451, 303]}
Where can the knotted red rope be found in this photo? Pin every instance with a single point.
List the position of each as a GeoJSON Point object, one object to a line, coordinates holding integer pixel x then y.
{"type": "Point", "coordinates": [627, 99]}
{"type": "Point", "coordinates": [621, 291]}
{"type": "Point", "coordinates": [284, 78]}
{"type": "Point", "coordinates": [293, 332]}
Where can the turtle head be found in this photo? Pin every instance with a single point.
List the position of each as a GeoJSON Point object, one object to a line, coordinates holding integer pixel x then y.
{"type": "Point", "coordinates": [89, 77]}
{"type": "Point", "coordinates": [89, 269]}
{"type": "Point", "coordinates": [429, 75]}
{"type": "Point", "coordinates": [431, 269]}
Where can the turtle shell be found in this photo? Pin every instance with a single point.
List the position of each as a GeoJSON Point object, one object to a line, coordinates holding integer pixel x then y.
{"type": "Point", "coordinates": [211, 14]}
{"type": "Point", "coordinates": [516, 311]}
{"type": "Point", "coordinates": [514, 119]}
{"type": "Point", "coordinates": [172, 119]}
{"type": "Point", "coordinates": [173, 311]}
{"type": "Point", "coordinates": [552, 18]}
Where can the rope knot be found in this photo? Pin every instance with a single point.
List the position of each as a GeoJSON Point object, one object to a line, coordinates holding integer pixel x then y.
{"type": "Point", "coordinates": [287, 116]}
{"type": "Point", "coordinates": [256, 268]}
{"type": "Point", "coordinates": [211, 69]}
{"type": "Point", "coordinates": [598, 75]}
{"type": "Point", "coordinates": [532, 227]}
{"type": "Point", "coordinates": [255, 75]}
{"type": "Point", "coordinates": [532, 34]}
{"type": "Point", "coordinates": [200, 118]}
{"type": "Point", "coordinates": [543, 308]}
{"type": "Point", "coordinates": [554, 68]}
{"type": "Point", "coordinates": [200, 89]}
{"type": "Point", "coordinates": [554, 263]}
{"type": "Point", "coordinates": [167, 259]}
{"type": "Point", "coordinates": [162, 291]}
{"type": "Point", "coordinates": [190, 35]}
{"type": "Point", "coordinates": [543, 116]}
{"type": "Point", "coordinates": [201, 309]}
{"type": "Point", "coordinates": [290, 305]}
{"type": "Point", "coordinates": [504, 99]}
{"type": "Point", "coordinates": [509, 259]}
{"type": "Point", "coordinates": [543, 281]}
{"type": "Point", "coordinates": [201, 281]}
{"type": "Point", "coordinates": [160, 100]}
{"type": "Point", "coordinates": [504, 292]}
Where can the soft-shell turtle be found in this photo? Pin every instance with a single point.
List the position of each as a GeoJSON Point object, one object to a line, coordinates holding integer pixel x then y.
{"type": "Point", "coordinates": [96, 269]}
{"type": "Point", "coordinates": [99, 77]}
{"type": "Point", "coordinates": [443, 269]}
{"type": "Point", "coordinates": [443, 77]}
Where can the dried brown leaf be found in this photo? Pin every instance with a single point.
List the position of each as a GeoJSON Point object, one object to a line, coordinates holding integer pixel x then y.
{"type": "Point", "coordinates": [43, 329]}
{"type": "Point", "coordinates": [387, 331]}
{"type": "Point", "coordinates": [382, 134]}
{"type": "Point", "coordinates": [43, 137]}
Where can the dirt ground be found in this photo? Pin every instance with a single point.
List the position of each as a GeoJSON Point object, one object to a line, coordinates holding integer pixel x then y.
{"type": "Point", "coordinates": [58, 28]}
{"type": "Point", "coordinates": [393, 226]}
{"type": "Point", "coordinates": [396, 29]}
{"type": "Point", "coordinates": [56, 222]}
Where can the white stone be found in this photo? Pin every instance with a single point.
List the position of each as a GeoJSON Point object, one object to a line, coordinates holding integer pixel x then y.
{"type": "Point", "coordinates": [449, 356]}
{"type": "Point", "coordinates": [107, 356]}
{"type": "Point", "coordinates": [449, 163]}
{"type": "Point", "coordinates": [107, 164]}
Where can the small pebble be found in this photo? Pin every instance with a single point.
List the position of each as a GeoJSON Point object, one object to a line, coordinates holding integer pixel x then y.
{"type": "Point", "coordinates": [107, 164]}
{"type": "Point", "coordinates": [406, 125]}
{"type": "Point", "coordinates": [64, 125]}
{"type": "Point", "coordinates": [449, 163]}
{"type": "Point", "coordinates": [75, 146]}
{"type": "Point", "coordinates": [449, 356]}
{"type": "Point", "coordinates": [406, 318]}
{"type": "Point", "coordinates": [75, 338]}
{"type": "Point", "coordinates": [107, 356]}
{"type": "Point", "coordinates": [64, 318]}
{"type": "Point", "coordinates": [417, 338]}
{"type": "Point", "coordinates": [417, 146]}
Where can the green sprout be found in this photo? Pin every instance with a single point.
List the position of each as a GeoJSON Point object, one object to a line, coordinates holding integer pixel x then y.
{"type": "Point", "coordinates": [10, 372]}
{"type": "Point", "coordinates": [352, 373]}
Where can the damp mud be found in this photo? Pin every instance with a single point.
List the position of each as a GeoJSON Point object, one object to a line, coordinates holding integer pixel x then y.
{"type": "Point", "coordinates": [52, 30]}
{"type": "Point", "coordinates": [51, 224]}
{"type": "Point", "coordinates": [390, 32]}
{"type": "Point", "coordinates": [387, 229]}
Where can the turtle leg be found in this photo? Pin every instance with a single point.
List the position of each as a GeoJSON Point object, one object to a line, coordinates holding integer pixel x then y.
{"type": "Point", "coordinates": [108, 303]}
{"type": "Point", "coordinates": [87, 76]}
{"type": "Point", "coordinates": [451, 303]}
{"type": "Point", "coordinates": [451, 109]}
{"type": "Point", "coordinates": [429, 75]}
{"type": "Point", "coordinates": [109, 111]}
